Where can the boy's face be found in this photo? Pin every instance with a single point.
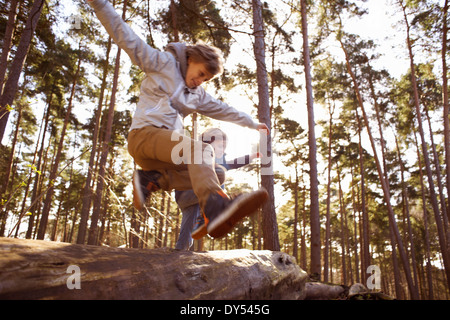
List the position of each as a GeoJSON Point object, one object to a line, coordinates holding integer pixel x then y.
{"type": "Point", "coordinates": [219, 145]}
{"type": "Point", "coordinates": [196, 74]}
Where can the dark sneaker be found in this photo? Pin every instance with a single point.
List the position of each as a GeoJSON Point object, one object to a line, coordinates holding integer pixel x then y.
{"type": "Point", "coordinates": [144, 183]}
{"type": "Point", "coordinates": [222, 213]}
{"type": "Point", "coordinates": [199, 230]}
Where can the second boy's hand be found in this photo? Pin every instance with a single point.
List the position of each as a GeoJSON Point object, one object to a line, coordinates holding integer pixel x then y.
{"type": "Point", "coordinates": [263, 127]}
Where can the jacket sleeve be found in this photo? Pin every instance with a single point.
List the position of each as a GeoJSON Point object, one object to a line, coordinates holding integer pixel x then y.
{"type": "Point", "coordinates": [140, 53]}
{"type": "Point", "coordinates": [219, 110]}
{"type": "Point", "coordinates": [238, 162]}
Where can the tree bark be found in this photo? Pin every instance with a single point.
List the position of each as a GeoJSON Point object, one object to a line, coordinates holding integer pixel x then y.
{"type": "Point", "coordinates": [54, 172]}
{"type": "Point", "coordinates": [397, 277]}
{"type": "Point", "coordinates": [315, 266]}
{"type": "Point", "coordinates": [343, 228]}
{"type": "Point", "coordinates": [93, 229]}
{"type": "Point", "coordinates": [445, 104]}
{"type": "Point", "coordinates": [433, 197]}
{"type": "Point", "coordinates": [269, 221]}
{"type": "Point", "coordinates": [10, 88]}
{"type": "Point", "coordinates": [32, 269]}
{"type": "Point", "coordinates": [87, 191]}
{"type": "Point", "coordinates": [7, 40]}
{"type": "Point", "coordinates": [37, 178]}
{"type": "Point", "coordinates": [295, 245]}
{"type": "Point", "coordinates": [425, 223]}
{"type": "Point", "coordinates": [326, 265]}
{"type": "Point", "coordinates": [446, 112]}
{"type": "Point", "coordinates": [365, 241]}
{"type": "Point", "coordinates": [383, 181]}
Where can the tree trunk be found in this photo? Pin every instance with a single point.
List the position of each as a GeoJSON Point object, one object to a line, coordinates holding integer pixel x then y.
{"type": "Point", "coordinates": [12, 83]}
{"type": "Point", "coordinates": [355, 229]}
{"type": "Point", "coordinates": [167, 219]}
{"type": "Point", "coordinates": [269, 221]}
{"type": "Point", "coordinates": [93, 229]}
{"type": "Point", "coordinates": [315, 267]}
{"type": "Point", "coordinates": [37, 178]}
{"type": "Point", "coordinates": [9, 182]}
{"type": "Point", "coordinates": [342, 231]}
{"type": "Point", "coordinates": [438, 173]}
{"type": "Point", "coordinates": [425, 222]}
{"type": "Point", "coordinates": [295, 245]}
{"type": "Point", "coordinates": [173, 13]}
{"type": "Point", "coordinates": [445, 104]}
{"type": "Point", "coordinates": [7, 40]}
{"type": "Point", "coordinates": [433, 197]}
{"type": "Point", "coordinates": [365, 242]}
{"type": "Point", "coordinates": [9, 166]}
{"type": "Point", "coordinates": [407, 214]}
{"type": "Point", "coordinates": [32, 269]}
{"type": "Point", "coordinates": [326, 259]}
{"type": "Point", "coordinates": [383, 181]}
{"type": "Point", "coordinates": [397, 277]}
{"type": "Point", "coordinates": [303, 254]}
{"type": "Point", "coordinates": [87, 191]}
{"type": "Point", "coordinates": [446, 111]}
{"type": "Point", "coordinates": [53, 174]}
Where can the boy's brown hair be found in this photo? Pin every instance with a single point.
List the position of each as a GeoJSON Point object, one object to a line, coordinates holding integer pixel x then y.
{"type": "Point", "coordinates": [210, 135]}
{"type": "Point", "coordinates": [210, 56]}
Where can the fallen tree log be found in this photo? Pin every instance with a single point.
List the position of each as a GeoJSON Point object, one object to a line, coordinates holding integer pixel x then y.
{"type": "Point", "coordinates": [328, 291]}
{"type": "Point", "coordinates": [324, 291]}
{"type": "Point", "coordinates": [33, 269]}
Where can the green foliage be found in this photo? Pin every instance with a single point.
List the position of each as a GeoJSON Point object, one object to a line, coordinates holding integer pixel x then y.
{"type": "Point", "coordinates": [194, 21]}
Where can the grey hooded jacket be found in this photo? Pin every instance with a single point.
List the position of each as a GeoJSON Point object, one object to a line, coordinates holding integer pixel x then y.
{"type": "Point", "coordinates": [164, 98]}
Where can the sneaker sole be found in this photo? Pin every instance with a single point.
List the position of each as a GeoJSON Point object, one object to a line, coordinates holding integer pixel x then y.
{"type": "Point", "coordinates": [242, 207]}
{"type": "Point", "coordinates": [138, 196]}
{"type": "Point", "coordinates": [199, 232]}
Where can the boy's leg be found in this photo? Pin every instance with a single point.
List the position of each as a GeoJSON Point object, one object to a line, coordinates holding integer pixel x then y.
{"type": "Point", "coordinates": [151, 146]}
{"type": "Point", "coordinates": [183, 162]}
{"type": "Point", "coordinates": [189, 217]}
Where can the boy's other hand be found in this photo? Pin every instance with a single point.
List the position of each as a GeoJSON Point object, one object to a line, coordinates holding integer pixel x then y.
{"type": "Point", "coordinates": [255, 155]}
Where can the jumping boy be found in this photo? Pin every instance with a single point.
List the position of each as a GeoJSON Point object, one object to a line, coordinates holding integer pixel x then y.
{"type": "Point", "coordinates": [170, 91]}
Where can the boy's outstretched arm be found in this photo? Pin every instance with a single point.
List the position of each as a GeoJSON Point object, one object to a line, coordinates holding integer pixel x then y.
{"type": "Point", "coordinates": [140, 53]}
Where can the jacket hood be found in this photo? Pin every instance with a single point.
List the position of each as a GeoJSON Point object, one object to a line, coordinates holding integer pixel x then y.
{"type": "Point", "coordinates": [178, 49]}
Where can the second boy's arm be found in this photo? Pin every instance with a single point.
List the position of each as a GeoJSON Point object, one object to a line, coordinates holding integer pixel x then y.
{"type": "Point", "coordinates": [242, 161]}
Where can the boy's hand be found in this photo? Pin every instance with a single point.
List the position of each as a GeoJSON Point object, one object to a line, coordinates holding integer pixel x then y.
{"type": "Point", "coordinates": [254, 156]}
{"type": "Point", "coordinates": [263, 126]}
